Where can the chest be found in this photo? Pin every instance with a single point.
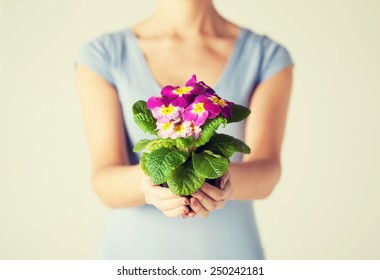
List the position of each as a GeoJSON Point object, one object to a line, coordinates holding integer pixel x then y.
{"type": "Point", "coordinates": [174, 61]}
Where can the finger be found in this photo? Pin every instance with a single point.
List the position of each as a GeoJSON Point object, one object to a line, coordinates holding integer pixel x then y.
{"type": "Point", "coordinates": [223, 180]}
{"type": "Point", "coordinates": [207, 202]}
{"type": "Point", "coordinates": [176, 212]}
{"type": "Point", "coordinates": [167, 204]}
{"type": "Point", "coordinates": [191, 213]}
{"type": "Point", "coordinates": [213, 192]}
{"type": "Point", "coordinates": [198, 208]}
{"type": "Point", "coordinates": [228, 189]}
{"type": "Point", "coordinates": [160, 192]}
{"type": "Point", "coordinates": [217, 193]}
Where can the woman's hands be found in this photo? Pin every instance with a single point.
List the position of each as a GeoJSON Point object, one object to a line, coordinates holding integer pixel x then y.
{"type": "Point", "coordinates": [162, 198]}
{"type": "Point", "coordinates": [208, 198]}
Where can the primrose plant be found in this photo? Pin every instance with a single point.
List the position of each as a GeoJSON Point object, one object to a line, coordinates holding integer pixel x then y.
{"type": "Point", "coordinates": [187, 150]}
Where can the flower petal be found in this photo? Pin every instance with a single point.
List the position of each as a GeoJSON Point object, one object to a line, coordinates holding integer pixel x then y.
{"type": "Point", "coordinates": [192, 80]}
{"type": "Point", "coordinates": [167, 91]}
{"type": "Point", "coordinates": [197, 89]}
{"type": "Point", "coordinates": [196, 132]}
{"type": "Point", "coordinates": [201, 118]}
{"type": "Point", "coordinates": [180, 102]}
{"type": "Point", "coordinates": [207, 88]}
{"type": "Point", "coordinates": [157, 101]}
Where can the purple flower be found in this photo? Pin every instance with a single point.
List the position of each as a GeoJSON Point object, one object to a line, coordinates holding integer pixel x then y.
{"type": "Point", "coordinates": [157, 101]}
{"type": "Point", "coordinates": [201, 87]}
{"type": "Point", "coordinates": [206, 88]}
{"type": "Point", "coordinates": [183, 96]}
{"type": "Point", "coordinates": [165, 129]}
{"type": "Point", "coordinates": [209, 104]}
{"type": "Point", "coordinates": [224, 105]}
{"type": "Point", "coordinates": [178, 96]}
{"type": "Point", "coordinates": [196, 132]}
{"type": "Point", "coordinates": [167, 113]}
{"type": "Point", "coordinates": [183, 129]}
{"type": "Point", "coordinates": [192, 80]}
{"type": "Point", "coordinates": [196, 112]}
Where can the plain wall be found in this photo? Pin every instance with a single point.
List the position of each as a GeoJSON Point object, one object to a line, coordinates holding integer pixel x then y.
{"type": "Point", "coordinates": [326, 205]}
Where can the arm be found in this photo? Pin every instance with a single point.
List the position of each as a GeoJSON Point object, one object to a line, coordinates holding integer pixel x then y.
{"type": "Point", "coordinates": [257, 175]}
{"type": "Point", "coordinates": [116, 182]}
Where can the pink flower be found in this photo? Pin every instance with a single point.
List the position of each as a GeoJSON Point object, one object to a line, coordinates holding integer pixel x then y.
{"type": "Point", "coordinates": [157, 101]}
{"type": "Point", "coordinates": [192, 80]}
{"type": "Point", "coordinates": [224, 105]}
{"type": "Point", "coordinates": [209, 104]}
{"type": "Point", "coordinates": [178, 96]}
{"type": "Point", "coordinates": [207, 88]}
{"type": "Point", "coordinates": [196, 112]}
{"type": "Point", "coordinates": [165, 129]}
{"type": "Point", "coordinates": [183, 129]}
{"type": "Point", "coordinates": [183, 96]}
{"type": "Point", "coordinates": [166, 113]}
{"type": "Point", "coordinates": [196, 132]}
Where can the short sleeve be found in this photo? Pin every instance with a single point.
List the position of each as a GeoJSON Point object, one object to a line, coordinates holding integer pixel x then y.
{"type": "Point", "coordinates": [96, 55]}
{"type": "Point", "coordinates": [275, 58]}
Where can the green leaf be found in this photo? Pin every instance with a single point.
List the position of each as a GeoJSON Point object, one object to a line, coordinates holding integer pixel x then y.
{"type": "Point", "coordinates": [161, 143]}
{"type": "Point", "coordinates": [239, 113]}
{"type": "Point", "coordinates": [153, 144]}
{"type": "Point", "coordinates": [143, 144]}
{"type": "Point", "coordinates": [145, 122]}
{"type": "Point", "coordinates": [209, 129]}
{"type": "Point", "coordinates": [184, 180]}
{"type": "Point", "coordinates": [143, 160]}
{"type": "Point", "coordinates": [211, 153]}
{"type": "Point", "coordinates": [143, 117]}
{"type": "Point", "coordinates": [183, 142]}
{"type": "Point", "coordinates": [209, 165]}
{"type": "Point", "coordinates": [161, 162]}
{"type": "Point", "coordinates": [139, 107]}
{"type": "Point", "coordinates": [226, 145]}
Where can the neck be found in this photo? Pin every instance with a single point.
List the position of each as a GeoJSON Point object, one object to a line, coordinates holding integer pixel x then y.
{"type": "Point", "coordinates": [188, 17]}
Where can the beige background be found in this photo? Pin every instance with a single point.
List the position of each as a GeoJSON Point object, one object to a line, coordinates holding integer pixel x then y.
{"type": "Point", "coordinates": [327, 203]}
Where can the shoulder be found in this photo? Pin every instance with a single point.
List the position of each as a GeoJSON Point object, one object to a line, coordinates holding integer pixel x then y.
{"type": "Point", "coordinates": [103, 54]}
{"type": "Point", "coordinates": [271, 54]}
{"type": "Point", "coordinates": [109, 44]}
{"type": "Point", "coordinates": [261, 42]}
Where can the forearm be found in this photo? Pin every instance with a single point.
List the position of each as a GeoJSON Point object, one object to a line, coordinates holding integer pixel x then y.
{"type": "Point", "coordinates": [254, 179]}
{"type": "Point", "coordinates": [119, 186]}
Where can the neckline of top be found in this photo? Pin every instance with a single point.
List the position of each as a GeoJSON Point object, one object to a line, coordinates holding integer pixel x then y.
{"type": "Point", "coordinates": [228, 66]}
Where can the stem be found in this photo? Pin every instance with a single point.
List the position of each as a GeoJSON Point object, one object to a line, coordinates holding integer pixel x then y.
{"type": "Point", "coordinates": [192, 149]}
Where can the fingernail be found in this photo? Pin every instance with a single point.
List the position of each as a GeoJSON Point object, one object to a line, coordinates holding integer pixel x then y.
{"type": "Point", "coordinates": [185, 202]}
{"type": "Point", "coordinates": [194, 202]}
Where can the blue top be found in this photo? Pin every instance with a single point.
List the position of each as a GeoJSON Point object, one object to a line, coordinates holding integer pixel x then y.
{"type": "Point", "coordinates": [144, 232]}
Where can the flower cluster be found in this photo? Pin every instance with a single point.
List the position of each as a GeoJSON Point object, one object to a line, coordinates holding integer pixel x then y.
{"type": "Point", "coordinates": [181, 111]}
{"type": "Point", "coordinates": [186, 150]}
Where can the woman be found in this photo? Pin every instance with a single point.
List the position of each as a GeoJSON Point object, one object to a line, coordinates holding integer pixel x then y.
{"type": "Point", "coordinates": [117, 69]}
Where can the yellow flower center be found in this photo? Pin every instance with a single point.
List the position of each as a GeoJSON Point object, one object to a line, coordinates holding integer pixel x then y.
{"type": "Point", "coordinates": [167, 110]}
{"type": "Point", "coordinates": [182, 90]}
{"type": "Point", "coordinates": [220, 102]}
{"type": "Point", "coordinates": [166, 126]}
{"type": "Point", "coordinates": [198, 108]}
{"type": "Point", "coordinates": [215, 99]}
{"type": "Point", "coordinates": [178, 128]}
